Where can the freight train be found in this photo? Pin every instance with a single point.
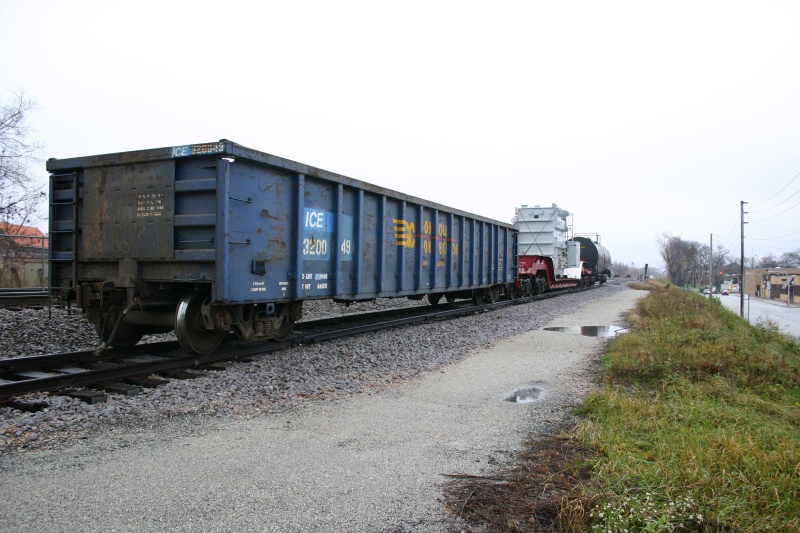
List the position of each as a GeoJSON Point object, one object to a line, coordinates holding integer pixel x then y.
{"type": "Point", "coordinates": [206, 239]}
{"type": "Point", "coordinates": [548, 258]}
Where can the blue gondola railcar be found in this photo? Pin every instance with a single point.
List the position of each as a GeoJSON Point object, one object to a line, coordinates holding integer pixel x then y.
{"type": "Point", "coordinates": [211, 238]}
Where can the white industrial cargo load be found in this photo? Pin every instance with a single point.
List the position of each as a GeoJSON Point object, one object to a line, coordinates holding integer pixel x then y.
{"type": "Point", "coordinates": [549, 257]}
{"type": "Point", "coordinates": [546, 231]}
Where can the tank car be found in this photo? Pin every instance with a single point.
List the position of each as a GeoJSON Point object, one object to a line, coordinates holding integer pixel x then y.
{"type": "Point", "coordinates": [596, 257]}
{"type": "Point", "coordinates": [206, 239]}
{"type": "Point", "coordinates": [548, 258]}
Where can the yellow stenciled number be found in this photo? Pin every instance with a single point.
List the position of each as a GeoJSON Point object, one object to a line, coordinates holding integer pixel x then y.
{"type": "Point", "coordinates": [427, 229]}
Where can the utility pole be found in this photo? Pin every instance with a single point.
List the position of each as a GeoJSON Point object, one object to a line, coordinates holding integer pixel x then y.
{"type": "Point", "coordinates": [741, 277]}
{"type": "Point", "coordinates": [711, 267]}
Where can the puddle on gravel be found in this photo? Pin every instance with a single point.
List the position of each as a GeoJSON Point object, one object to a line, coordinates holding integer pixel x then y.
{"type": "Point", "coordinates": [590, 331]}
{"type": "Point", "coordinates": [526, 394]}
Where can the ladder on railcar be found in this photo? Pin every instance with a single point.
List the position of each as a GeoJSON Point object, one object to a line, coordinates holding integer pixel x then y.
{"type": "Point", "coordinates": [64, 229]}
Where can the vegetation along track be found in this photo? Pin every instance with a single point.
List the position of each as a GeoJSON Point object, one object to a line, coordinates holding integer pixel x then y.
{"type": "Point", "coordinates": [127, 370]}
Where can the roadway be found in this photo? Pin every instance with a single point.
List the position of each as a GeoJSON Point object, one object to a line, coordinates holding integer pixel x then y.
{"type": "Point", "coordinates": [757, 311]}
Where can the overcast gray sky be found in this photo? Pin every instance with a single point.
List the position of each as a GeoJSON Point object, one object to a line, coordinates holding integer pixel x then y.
{"type": "Point", "coordinates": [639, 117]}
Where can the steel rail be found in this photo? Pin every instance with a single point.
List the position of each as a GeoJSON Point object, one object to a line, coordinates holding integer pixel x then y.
{"type": "Point", "coordinates": [37, 362]}
{"type": "Point", "coordinates": [24, 296]}
{"type": "Point", "coordinates": [11, 389]}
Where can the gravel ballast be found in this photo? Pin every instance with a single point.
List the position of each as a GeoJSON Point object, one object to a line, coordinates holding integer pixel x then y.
{"type": "Point", "coordinates": [350, 435]}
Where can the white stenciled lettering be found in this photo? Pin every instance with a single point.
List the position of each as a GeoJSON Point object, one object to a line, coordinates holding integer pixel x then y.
{"type": "Point", "coordinates": [150, 204]}
{"type": "Point", "coordinates": [197, 149]}
{"type": "Point", "coordinates": [314, 247]}
{"type": "Point", "coordinates": [315, 219]}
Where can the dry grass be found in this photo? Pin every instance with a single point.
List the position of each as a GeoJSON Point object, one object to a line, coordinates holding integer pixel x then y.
{"type": "Point", "coordinates": [650, 285]}
{"type": "Point", "coordinates": [535, 495]}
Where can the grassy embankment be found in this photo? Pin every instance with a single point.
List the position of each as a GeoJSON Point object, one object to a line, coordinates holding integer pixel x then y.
{"type": "Point", "coordinates": [695, 427]}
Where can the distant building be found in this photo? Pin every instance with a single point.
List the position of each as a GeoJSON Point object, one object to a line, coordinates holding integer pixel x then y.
{"type": "Point", "coordinates": [23, 256]}
{"type": "Point", "coordinates": [767, 283]}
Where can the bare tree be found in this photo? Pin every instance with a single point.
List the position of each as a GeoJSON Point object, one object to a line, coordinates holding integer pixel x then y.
{"type": "Point", "coordinates": [698, 270]}
{"type": "Point", "coordinates": [679, 256]}
{"type": "Point", "coordinates": [768, 261]}
{"type": "Point", "coordinates": [19, 192]}
{"type": "Point", "coordinates": [687, 261]}
{"type": "Point", "coordinates": [791, 259]}
{"type": "Point", "coordinates": [723, 256]}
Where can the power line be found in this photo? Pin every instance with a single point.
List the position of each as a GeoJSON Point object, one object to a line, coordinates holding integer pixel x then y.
{"type": "Point", "coordinates": [728, 239]}
{"type": "Point", "coordinates": [733, 229]}
{"type": "Point", "coordinates": [776, 205]}
{"type": "Point", "coordinates": [776, 238]}
{"type": "Point", "coordinates": [773, 248]}
{"type": "Point", "coordinates": [777, 193]}
{"type": "Point", "coordinates": [775, 215]}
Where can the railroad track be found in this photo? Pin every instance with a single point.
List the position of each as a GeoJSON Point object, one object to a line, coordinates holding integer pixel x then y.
{"type": "Point", "coordinates": [24, 296]}
{"type": "Point", "coordinates": [128, 370]}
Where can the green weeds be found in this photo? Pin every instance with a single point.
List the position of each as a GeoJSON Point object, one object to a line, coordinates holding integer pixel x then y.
{"type": "Point", "coordinates": [695, 427]}
{"type": "Point", "coordinates": [698, 417]}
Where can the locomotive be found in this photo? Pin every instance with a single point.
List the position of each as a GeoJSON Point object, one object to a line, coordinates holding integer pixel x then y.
{"type": "Point", "coordinates": [206, 239]}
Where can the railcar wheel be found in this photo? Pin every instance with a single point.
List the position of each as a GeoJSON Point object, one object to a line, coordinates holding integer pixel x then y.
{"type": "Point", "coordinates": [284, 330]}
{"type": "Point", "coordinates": [492, 294]}
{"type": "Point", "coordinates": [189, 329]}
{"type": "Point", "coordinates": [485, 296]}
{"type": "Point", "coordinates": [434, 297]}
{"type": "Point", "coordinates": [450, 298]}
{"type": "Point", "coordinates": [526, 287]}
{"type": "Point", "coordinates": [538, 286]}
{"type": "Point", "coordinates": [478, 296]}
{"type": "Point", "coordinates": [125, 335]}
